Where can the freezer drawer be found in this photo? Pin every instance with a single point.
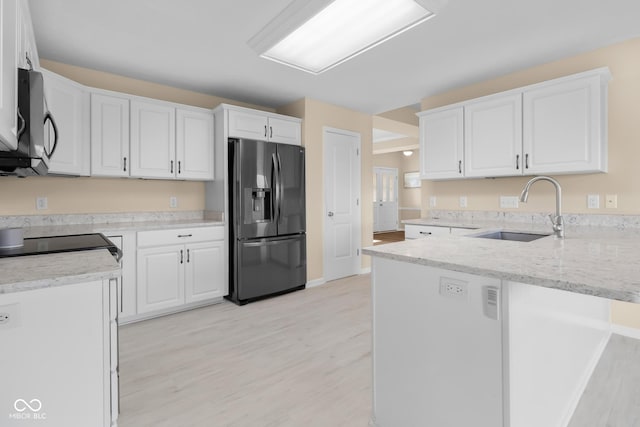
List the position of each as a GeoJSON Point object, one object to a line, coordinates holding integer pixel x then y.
{"type": "Point", "coordinates": [269, 266]}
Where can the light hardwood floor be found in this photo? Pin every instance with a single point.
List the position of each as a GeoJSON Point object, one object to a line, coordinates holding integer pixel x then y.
{"type": "Point", "coordinates": [298, 360]}
{"type": "Point", "coordinates": [301, 359]}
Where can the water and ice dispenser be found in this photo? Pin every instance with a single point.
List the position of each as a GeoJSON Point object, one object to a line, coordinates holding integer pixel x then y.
{"type": "Point", "coordinates": [258, 205]}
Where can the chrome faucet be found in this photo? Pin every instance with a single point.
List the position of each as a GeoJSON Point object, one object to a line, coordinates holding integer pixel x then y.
{"type": "Point", "coordinates": [557, 221]}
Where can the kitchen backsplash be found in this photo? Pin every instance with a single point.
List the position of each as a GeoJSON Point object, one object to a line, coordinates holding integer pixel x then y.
{"type": "Point", "coordinates": [618, 221]}
{"type": "Point", "coordinates": [104, 218]}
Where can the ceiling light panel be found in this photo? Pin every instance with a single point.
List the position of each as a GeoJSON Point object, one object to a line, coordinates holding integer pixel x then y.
{"type": "Point", "coordinates": [342, 30]}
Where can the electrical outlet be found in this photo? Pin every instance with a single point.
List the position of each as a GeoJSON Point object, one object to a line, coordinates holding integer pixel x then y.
{"type": "Point", "coordinates": [9, 316]}
{"type": "Point", "coordinates": [611, 201]}
{"type": "Point", "coordinates": [42, 203]}
{"type": "Point", "coordinates": [432, 201]}
{"type": "Point", "coordinates": [463, 201]}
{"type": "Point", "coordinates": [453, 288]}
{"type": "Point", "coordinates": [593, 201]}
{"type": "Point", "coordinates": [509, 202]}
{"type": "Point", "coordinates": [173, 202]}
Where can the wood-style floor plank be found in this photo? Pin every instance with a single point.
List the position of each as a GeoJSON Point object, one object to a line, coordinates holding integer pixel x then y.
{"type": "Point", "coordinates": [302, 359]}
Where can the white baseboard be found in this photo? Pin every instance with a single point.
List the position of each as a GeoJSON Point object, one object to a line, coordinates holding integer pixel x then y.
{"type": "Point", "coordinates": [316, 282]}
{"type": "Point", "coordinates": [365, 270]}
{"type": "Point", "coordinates": [626, 331]}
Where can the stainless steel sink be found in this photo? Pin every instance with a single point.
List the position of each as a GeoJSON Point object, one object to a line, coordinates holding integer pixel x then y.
{"type": "Point", "coordinates": [510, 235]}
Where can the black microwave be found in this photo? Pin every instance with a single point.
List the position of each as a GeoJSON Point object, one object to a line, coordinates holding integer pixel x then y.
{"type": "Point", "coordinates": [33, 153]}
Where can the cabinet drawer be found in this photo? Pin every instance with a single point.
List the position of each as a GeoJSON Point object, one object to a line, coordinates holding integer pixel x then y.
{"type": "Point", "coordinates": [420, 231]}
{"type": "Point", "coordinates": [179, 236]}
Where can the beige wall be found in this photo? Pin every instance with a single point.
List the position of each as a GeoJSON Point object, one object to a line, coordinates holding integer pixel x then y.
{"type": "Point", "coordinates": [94, 195]}
{"type": "Point", "coordinates": [623, 178]}
{"type": "Point", "coordinates": [316, 115]}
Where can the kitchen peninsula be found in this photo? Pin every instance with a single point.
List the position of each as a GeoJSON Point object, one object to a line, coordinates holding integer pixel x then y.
{"type": "Point", "coordinates": [489, 332]}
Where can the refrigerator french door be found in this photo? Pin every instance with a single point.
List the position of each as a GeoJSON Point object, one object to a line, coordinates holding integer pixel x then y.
{"type": "Point", "coordinates": [267, 253]}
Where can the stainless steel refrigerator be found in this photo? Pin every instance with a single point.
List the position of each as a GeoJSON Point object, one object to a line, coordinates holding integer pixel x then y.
{"type": "Point", "coordinates": [267, 241]}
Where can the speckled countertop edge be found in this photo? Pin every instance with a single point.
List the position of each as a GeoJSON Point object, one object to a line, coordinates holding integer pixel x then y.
{"type": "Point", "coordinates": [597, 261]}
{"type": "Point", "coordinates": [47, 271]}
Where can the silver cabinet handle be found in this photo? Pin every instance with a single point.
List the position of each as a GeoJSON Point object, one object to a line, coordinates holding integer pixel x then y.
{"type": "Point", "coordinates": [179, 167]}
{"type": "Point", "coordinates": [270, 131]}
{"type": "Point", "coordinates": [171, 166]}
{"type": "Point", "coordinates": [188, 256]}
{"type": "Point", "coordinates": [185, 235]}
{"type": "Point", "coordinates": [265, 131]}
{"type": "Point", "coordinates": [526, 161]}
{"type": "Point", "coordinates": [517, 161]}
{"type": "Point", "coordinates": [125, 164]}
{"type": "Point", "coordinates": [459, 166]}
{"type": "Point", "coordinates": [426, 233]}
{"type": "Point", "coordinates": [181, 256]}
{"type": "Point", "coordinates": [330, 213]}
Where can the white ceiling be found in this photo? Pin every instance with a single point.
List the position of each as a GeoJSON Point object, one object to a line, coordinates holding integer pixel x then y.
{"type": "Point", "coordinates": [201, 45]}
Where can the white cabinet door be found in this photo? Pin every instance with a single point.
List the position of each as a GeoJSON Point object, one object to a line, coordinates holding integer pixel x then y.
{"type": "Point", "coordinates": [285, 131]}
{"type": "Point", "coordinates": [493, 137]}
{"type": "Point", "coordinates": [204, 271]}
{"type": "Point", "coordinates": [69, 105]}
{"type": "Point", "coordinates": [248, 125]}
{"type": "Point", "coordinates": [194, 144]}
{"type": "Point", "coordinates": [565, 127]}
{"type": "Point", "coordinates": [9, 79]}
{"type": "Point", "coordinates": [153, 139]}
{"type": "Point", "coordinates": [109, 135]}
{"type": "Point", "coordinates": [441, 144]}
{"type": "Point", "coordinates": [27, 51]}
{"type": "Point", "coordinates": [160, 278]}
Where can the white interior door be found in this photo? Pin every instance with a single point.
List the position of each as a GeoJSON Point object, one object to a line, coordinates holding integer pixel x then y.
{"type": "Point", "coordinates": [342, 224]}
{"type": "Point", "coordinates": [385, 199]}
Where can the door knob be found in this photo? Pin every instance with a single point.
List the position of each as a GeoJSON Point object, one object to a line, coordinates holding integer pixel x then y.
{"type": "Point", "coordinates": [330, 213]}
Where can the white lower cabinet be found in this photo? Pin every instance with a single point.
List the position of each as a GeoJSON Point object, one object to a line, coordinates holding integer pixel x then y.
{"type": "Point", "coordinates": [179, 267]}
{"type": "Point", "coordinates": [454, 349]}
{"type": "Point", "coordinates": [60, 356]}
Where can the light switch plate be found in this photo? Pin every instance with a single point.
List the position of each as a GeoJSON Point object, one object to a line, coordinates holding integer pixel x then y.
{"type": "Point", "coordinates": [463, 201]}
{"type": "Point", "coordinates": [509, 202]}
{"type": "Point", "coordinates": [173, 202]}
{"type": "Point", "coordinates": [593, 201]}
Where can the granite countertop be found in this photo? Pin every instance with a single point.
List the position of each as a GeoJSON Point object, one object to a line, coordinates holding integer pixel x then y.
{"type": "Point", "coordinates": [116, 227]}
{"type": "Point", "coordinates": [47, 271]}
{"type": "Point", "coordinates": [600, 261]}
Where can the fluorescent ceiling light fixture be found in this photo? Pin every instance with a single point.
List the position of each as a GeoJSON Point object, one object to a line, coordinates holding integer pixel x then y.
{"type": "Point", "coordinates": [317, 35]}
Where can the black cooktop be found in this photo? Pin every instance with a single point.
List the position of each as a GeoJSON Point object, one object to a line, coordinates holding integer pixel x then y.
{"type": "Point", "coordinates": [55, 244]}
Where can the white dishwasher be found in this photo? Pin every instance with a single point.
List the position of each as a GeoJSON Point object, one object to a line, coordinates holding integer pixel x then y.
{"type": "Point", "coordinates": [437, 348]}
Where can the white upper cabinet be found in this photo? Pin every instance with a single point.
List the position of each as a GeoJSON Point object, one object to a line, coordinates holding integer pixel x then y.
{"type": "Point", "coordinates": [153, 139]}
{"type": "Point", "coordinates": [68, 103]}
{"type": "Point", "coordinates": [9, 26]}
{"type": "Point", "coordinates": [260, 125]}
{"type": "Point", "coordinates": [493, 137]}
{"type": "Point", "coordinates": [194, 144]}
{"type": "Point", "coordinates": [553, 127]}
{"type": "Point", "coordinates": [109, 135]}
{"type": "Point", "coordinates": [284, 131]}
{"type": "Point", "coordinates": [442, 143]}
{"type": "Point", "coordinates": [565, 127]}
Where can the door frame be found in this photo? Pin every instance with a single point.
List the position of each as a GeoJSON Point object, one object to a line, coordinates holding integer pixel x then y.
{"type": "Point", "coordinates": [357, 235]}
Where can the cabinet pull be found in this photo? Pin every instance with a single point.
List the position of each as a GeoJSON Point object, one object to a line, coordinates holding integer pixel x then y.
{"type": "Point", "coordinates": [187, 256]}
{"type": "Point", "coordinates": [171, 166]}
{"type": "Point", "coordinates": [270, 131]}
{"type": "Point", "coordinates": [125, 164]}
{"type": "Point", "coordinates": [517, 161]}
{"type": "Point", "coordinates": [181, 256]}
{"type": "Point", "coordinates": [526, 161]}
{"type": "Point", "coordinates": [179, 167]}
{"type": "Point", "coordinates": [185, 235]}
{"type": "Point", "coordinates": [265, 131]}
{"type": "Point", "coordinates": [459, 166]}
{"type": "Point", "coordinates": [426, 233]}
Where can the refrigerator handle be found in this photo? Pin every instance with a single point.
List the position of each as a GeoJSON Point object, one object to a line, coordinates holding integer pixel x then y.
{"type": "Point", "coordinates": [279, 186]}
{"type": "Point", "coordinates": [275, 184]}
